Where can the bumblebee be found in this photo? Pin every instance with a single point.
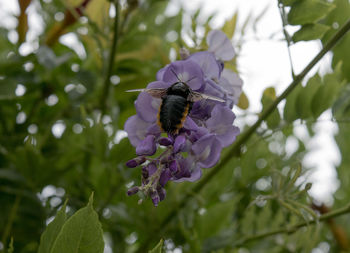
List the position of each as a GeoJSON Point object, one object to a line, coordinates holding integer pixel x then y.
{"type": "Point", "coordinates": [177, 101]}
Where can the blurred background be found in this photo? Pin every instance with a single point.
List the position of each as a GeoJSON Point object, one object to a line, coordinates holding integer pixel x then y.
{"type": "Point", "coordinates": [64, 69]}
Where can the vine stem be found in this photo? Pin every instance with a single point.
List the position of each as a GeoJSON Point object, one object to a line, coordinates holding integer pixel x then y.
{"type": "Point", "coordinates": [243, 138]}
{"type": "Point", "coordinates": [292, 229]}
{"type": "Point", "coordinates": [107, 81]}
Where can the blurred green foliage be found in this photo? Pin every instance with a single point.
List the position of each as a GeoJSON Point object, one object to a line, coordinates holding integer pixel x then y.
{"type": "Point", "coordinates": [56, 147]}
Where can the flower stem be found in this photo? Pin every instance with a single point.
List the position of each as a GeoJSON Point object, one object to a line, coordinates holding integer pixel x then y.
{"type": "Point", "coordinates": [244, 137]}
{"type": "Point", "coordinates": [324, 217]}
{"type": "Point", "coordinates": [107, 82]}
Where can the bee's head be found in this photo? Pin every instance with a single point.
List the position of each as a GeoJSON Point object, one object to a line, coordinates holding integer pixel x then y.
{"type": "Point", "coordinates": [179, 88]}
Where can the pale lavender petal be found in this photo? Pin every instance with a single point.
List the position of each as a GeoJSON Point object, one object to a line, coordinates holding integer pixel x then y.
{"type": "Point", "coordinates": [151, 169]}
{"type": "Point", "coordinates": [206, 60]}
{"type": "Point", "coordinates": [190, 124]}
{"type": "Point", "coordinates": [136, 129]}
{"type": "Point", "coordinates": [232, 84]}
{"type": "Point", "coordinates": [187, 71]}
{"type": "Point", "coordinates": [207, 151]}
{"type": "Point", "coordinates": [158, 84]}
{"type": "Point", "coordinates": [220, 124]}
{"type": "Point", "coordinates": [147, 107]}
{"type": "Point", "coordinates": [146, 146]}
{"type": "Point", "coordinates": [154, 129]}
{"type": "Point", "coordinates": [220, 45]}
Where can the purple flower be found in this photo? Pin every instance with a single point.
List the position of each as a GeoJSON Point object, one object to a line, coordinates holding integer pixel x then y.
{"type": "Point", "coordinates": [206, 130]}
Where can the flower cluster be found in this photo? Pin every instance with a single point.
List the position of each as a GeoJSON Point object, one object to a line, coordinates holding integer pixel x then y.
{"type": "Point", "coordinates": [206, 130]}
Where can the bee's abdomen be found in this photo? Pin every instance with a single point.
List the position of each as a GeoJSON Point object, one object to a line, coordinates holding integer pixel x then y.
{"type": "Point", "coordinates": [173, 112]}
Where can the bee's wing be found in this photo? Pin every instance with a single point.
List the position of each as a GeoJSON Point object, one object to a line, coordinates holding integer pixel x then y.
{"type": "Point", "coordinates": [196, 96]}
{"type": "Point", "coordinates": [154, 92]}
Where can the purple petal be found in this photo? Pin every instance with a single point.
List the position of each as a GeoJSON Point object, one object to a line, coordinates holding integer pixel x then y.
{"type": "Point", "coordinates": [164, 177]}
{"type": "Point", "coordinates": [147, 107]}
{"type": "Point", "coordinates": [220, 124]}
{"type": "Point", "coordinates": [158, 84]}
{"type": "Point", "coordinates": [187, 71]}
{"type": "Point", "coordinates": [179, 143]}
{"type": "Point", "coordinates": [161, 193]}
{"type": "Point", "coordinates": [147, 146]}
{"type": "Point", "coordinates": [184, 53]}
{"type": "Point", "coordinates": [207, 151]}
{"type": "Point", "coordinates": [220, 45]}
{"type": "Point", "coordinates": [232, 85]}
{"type": "Point", "coordinates": [135, 162]}
{"type": "Point", "coordinates": [151, 169]}
{"type": "Point", "coordinates": [206, 60]}
{"type": "Point", "coordinates": [190, 124]}
{"type": "Point", "coordinates": [133, 191]}
{"type": "Point", "coordinates": [155, 198]}
{"type": "Point", "coordinates": [165, 141]}
{"type": "Point", "coordinates": [136, 129]}
{"type": "Point", "coordinates": [173, 166]}
{"type": "Point", "coordinates": [154, 129]}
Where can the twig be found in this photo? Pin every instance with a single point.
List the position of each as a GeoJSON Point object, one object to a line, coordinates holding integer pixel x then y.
{"type": "Point", "coordinates": [107, 82]}
{"type": "Point", "coordinates": [286, 36]}
{"type": "Point", "coordinates": [236, 147]}
{"type": "Point", "coordinates": [292, 229]}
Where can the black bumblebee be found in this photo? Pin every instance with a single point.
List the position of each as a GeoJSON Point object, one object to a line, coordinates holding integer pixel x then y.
{"type": "Point", "coordinates": [177, 101]}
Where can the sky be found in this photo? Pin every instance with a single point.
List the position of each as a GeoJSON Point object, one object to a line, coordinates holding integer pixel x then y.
{"type": "Point", "coordinates": [263, 62]}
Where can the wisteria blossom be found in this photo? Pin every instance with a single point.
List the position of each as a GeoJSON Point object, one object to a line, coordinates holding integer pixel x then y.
{"type": "Point", "coordinates": [206, 130]}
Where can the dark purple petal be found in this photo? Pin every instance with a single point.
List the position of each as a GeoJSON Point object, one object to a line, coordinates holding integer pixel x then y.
{"type": "Point", "coordinates": [207, 151]}
{"type": "Point", "coordinates": [187, 71]}
{"type": "Point", "coordinates": [220, 45]}
{"type": "Point", "coordinates": [164, 177]}
{"type": "Point", "coordinates": [195, 175]}
{"type": "Point", "coordinates": [179, 143]}
{"type": "Point", "coordinates": [155, 198]}
{"type": "Point", "coordinates": [136, 129]}
{"type": "Point", "coordinates": [151, 169]}
{"type": "Point", "coordinates": [133, 190]}
{"type": "Point", "coordinates": [135, 162]}
{"type": "Point", "coordinates": [147, 146]}
{"type": "Point", "coordinates": [207, 61]}
{"type": "Point", "coordinates": [161, 193]}
{"type": "Point", "coordinates": [173, 166]}
{"type": "Point", "coordinates": [165, 141]}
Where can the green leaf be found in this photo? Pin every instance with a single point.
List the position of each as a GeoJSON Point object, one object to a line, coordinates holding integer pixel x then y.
{"type": "Point", "coordinates": [327, 93]}
{"type": "Point", "coordinates": [243, 101]}
{"type": "Point", "coordinates": [289, 113]}
{"type": "Point", "coordinates": [269, 95]}
{"type": "Point", "coordinates": [158, 248]}
{"type": "Point", "coordinates": [308, 11]}
{"type": "Point", "coordinates": [81, 233]}
{"type": "Point", "coordinates": [305, 96]}
{"type": "Point", "coordinates": [230, 26]}
{"type": "Point", "coordinates": [288, 2]}
{"type": "Point", "coordinates": [310, 32]}
{"type": "Point", "coordinates": [51, 232]}
{"type": "Point", "coordinates": [214, 219]}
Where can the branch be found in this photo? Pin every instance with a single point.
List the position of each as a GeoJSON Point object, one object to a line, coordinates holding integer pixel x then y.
{"type": "Point", "coordinates": [236, 147]}
{"type": "Point", "coordinates": [107, 82]}
{"type": "Point", "coordinates": [292, 229]}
